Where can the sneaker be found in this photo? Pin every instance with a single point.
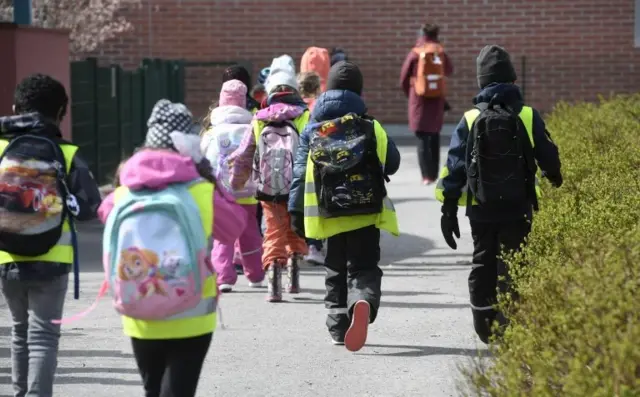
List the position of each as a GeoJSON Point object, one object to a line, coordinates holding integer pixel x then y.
{"type": "Point", "coordinates": [293, 274]}
{"type": "Point", "coordinates": [274, 275]}
{"type": "Point", "coordinates": [356, 335]}
{"type": "Point", "coordinates": [427, 181]}
{"type": "Point", "coordinates": [226, 287]}
{"type": "Point", "coordinates": [255, 285]}
{"type": "Point", "coordinates": [315, 256]}
{"type": "Point", "coordinates": [337, 340]}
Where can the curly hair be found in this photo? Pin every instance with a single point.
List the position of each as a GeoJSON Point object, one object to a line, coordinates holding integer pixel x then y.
{"type": "Point", "coordinates": [42, 94]}
{"type": "Point", "coordinates": [309, 84]}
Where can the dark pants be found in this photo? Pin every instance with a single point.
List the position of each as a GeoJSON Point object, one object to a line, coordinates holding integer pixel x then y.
{"type": "Point", "coordinates": [171, 367]}
{"type": "Point", "coordinates": [490, 273]}
{"type": "Point", "coordinates": [259, 217]}
{"type": "Point", "coordinates": [352, 275]}
{"type": "Point", "coordinates": [429, 154]}
{"type": "Point", "coordinates": [315, 243]}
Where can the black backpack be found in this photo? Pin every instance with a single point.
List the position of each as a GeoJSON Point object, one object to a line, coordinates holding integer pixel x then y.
{"type": "Point", "coordinates": [349, 177]}
{"type": "Point", "coordinates": [500, 165]}
{"type": "Point", "coordinates": [34, 198]}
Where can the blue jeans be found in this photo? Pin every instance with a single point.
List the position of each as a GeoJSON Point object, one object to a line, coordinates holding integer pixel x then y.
{"type": "Point", "coordinates": [34, 350]}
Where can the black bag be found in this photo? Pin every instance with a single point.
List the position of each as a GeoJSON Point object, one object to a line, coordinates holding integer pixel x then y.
{"type": "Point", "coordinates": [499, 158]}
{"type": "Point", "coordinates": [33, 195]}
{"type": "Point", "coordinates": [349, 177]}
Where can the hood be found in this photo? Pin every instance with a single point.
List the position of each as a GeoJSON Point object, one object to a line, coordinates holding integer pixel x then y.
{"type": "Point", "coordinates": [30, 123]}
{"type": "Point", "coordinates": [317, 60]}
{"type": "Point", "coordinates": [280, 112]}
{"type": "Point", "coordinates": [230, 115]}
{"type": "Point", "coordinates": [336, 103]}
{"type": "Point", "coordinates": [509, 93]}
{"type": "Point", "coordinates": [155, 169]}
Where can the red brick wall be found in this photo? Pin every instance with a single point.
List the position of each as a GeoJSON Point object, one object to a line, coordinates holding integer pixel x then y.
{"type": "Point", "coordinates": [575, 50]}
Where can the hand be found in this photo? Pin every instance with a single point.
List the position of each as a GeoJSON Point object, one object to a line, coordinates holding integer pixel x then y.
{"type": "Point", "coordinates": [297, 224]}
{"type": "Point", "coordinates": [449, 225]}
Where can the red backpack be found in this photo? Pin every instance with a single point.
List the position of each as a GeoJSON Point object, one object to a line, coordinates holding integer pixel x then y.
{"type": "Point", "coordinates": [430, 79]}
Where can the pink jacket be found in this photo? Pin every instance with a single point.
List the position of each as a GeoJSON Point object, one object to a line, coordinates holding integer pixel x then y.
{"type": "Point", "coordinates": [154, 169]}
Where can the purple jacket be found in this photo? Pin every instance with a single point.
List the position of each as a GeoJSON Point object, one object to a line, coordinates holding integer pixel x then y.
{"type": "Point", "coordinates": [425, 115]}
{"type": "Point", "coordinates": [155, 169]}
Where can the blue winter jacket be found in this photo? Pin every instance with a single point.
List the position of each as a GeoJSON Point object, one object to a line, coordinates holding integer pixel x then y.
{"type": "Point", "coordinates": [330, 105]}
{"type": "Point", "coordinates": [545, 153]}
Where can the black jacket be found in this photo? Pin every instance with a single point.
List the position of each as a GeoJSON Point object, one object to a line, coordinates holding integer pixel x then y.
{"type": "Point", "coordinates": [545, 153]}
{"type": "Point", "coordinates": [80, 182]}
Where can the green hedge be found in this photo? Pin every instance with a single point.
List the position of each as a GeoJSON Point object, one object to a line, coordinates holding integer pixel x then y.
{"type": "Point", "coordinates": [576, 330]}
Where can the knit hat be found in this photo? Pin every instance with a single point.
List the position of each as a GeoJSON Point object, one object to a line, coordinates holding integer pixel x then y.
{"type": "Point", "coordinates": [283, 72]}
{"type": "Point", "coordinates": [262, 77]}
{"type": "Point", "coordinates": [237, 72]}
{"type": "Point", "coordinates": [233, 93]}
{"type": "Point", "coordinates": [494, 66]}
{"type": "Point", "coordinates": [345, 75]}
{"type": "Point", "coordinates": [167, 117]}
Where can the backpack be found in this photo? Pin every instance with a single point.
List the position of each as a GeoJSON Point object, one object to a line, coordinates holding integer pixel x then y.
{"type": "Point", "coordinates": [34, 198]}
{"type": "Point", "coordinates": [499, 158]}
{"type": "Point", "coordinates": [156, 253]}
{"type": "Point", "coordinates": [430, 79]}
{"type": "Point", "coordinates": [273, 164]}
{"type": "Point", "coordinates": [223, 143]}
{"type": "Point", "coordinates": [348, 175]}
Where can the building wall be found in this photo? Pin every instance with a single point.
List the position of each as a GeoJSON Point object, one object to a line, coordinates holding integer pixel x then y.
{"type": "Point", "coordinates": [563, 49]}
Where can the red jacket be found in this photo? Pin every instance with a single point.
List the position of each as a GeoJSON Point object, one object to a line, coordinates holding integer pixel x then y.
{"type": "Point", "coordinates": [425, 115]}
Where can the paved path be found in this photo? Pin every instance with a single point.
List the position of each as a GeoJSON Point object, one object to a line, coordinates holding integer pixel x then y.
{"type": "Point", "coordinates": [422, 336]}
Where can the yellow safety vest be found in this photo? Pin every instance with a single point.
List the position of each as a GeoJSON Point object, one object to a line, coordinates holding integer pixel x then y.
{"type": "Point", "coordinates": [192, 326]}
{"type": "Point", "coordinates": [526, 115]}
{"type": "Point", "coordinates": [300, 122]}
{"type": "Point", "coordinates": [62, 252]}
{"type": "Point", "coordinates": [317, 227]}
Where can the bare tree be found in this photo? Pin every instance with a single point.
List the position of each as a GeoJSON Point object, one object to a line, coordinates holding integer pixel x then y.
{"type": "Point", "coordinates": [91, 22]}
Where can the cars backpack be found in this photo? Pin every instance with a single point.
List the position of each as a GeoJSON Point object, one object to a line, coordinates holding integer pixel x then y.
{"type": "Point", "coordinates": [273, 169]}
{"type": "Point", "coordinates": [155, 253]}
{"type": "Point", "coordinates": [500, 164]}
{"type": "Point", "coordinates": [34, 198]}
{"type": "Point", "coordinates": [348, 174]}
{"type": "Point", "coordinates": [223, 142]}
{"type": "Point", "coordinates": [430, 79]}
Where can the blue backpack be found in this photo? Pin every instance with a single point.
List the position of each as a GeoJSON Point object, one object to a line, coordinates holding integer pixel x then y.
{"type": "Point", "coordinates": [155, 253]}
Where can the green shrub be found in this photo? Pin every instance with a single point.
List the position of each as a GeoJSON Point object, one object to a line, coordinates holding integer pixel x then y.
{"type": "Point", "coordinates": [576, 328]}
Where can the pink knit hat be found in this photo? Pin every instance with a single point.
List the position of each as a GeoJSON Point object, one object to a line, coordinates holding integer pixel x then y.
{"type": "Point", "coordinates": [233, 93]}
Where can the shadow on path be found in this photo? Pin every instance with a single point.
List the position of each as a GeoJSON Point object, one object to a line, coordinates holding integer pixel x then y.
{"type": "Point", "coordinates": [422, 351]}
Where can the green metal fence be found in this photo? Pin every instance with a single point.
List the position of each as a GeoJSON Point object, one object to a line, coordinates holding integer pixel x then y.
{"type": "Point", "coordinates": [110, 107]}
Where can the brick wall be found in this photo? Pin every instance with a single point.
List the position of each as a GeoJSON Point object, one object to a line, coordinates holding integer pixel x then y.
{"type": "Point", "coordinates": [574, 50]}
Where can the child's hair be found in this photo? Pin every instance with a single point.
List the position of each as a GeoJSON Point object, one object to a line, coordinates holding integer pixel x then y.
{"type": "Point", "coordinates": [42, 94]}
{"type": "Point", "coordinates": [430, 31]}
{"type": "Point", "coordinates": [237, 72]}
{"type": "Point", "coordinates": [309, 84]}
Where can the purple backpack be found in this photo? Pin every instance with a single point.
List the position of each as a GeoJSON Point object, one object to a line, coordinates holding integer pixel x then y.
{"type": "Point", "coordinates": [276, 148]}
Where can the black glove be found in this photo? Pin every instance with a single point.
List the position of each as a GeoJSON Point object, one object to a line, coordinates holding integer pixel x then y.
{"type": "Point", "coordinates": [449, 224]}
{"type": "Point", "coordinates": [297, 223]}
{"type": "Point", "coordinates": [555, 179]}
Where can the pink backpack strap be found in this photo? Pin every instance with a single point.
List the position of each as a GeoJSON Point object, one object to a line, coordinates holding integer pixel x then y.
{"type": "Point", "coordinates": [102, 292]}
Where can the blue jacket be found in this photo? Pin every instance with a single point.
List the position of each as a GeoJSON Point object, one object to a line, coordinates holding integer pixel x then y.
{"type": "Point", "coordinates": [330, 105]}
{"type": "Point", "coordinates": [545, 154]}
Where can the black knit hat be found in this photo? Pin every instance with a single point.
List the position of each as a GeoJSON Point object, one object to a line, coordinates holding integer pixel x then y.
{"type": "Point", "coordinates": [237, 72]}
{"type": "Point", "coordinates": [345, 75]}
{"type": "Point", "coordinates": [494, 66]}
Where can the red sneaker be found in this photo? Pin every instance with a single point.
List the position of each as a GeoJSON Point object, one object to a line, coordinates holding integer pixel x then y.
{"type": "Point", "coordinates": [356, 335]}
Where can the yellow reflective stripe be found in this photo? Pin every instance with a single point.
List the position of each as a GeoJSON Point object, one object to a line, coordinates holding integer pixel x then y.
{"type": "Point", "coordinates": [526, 115]}
{"type": "Point", "coordinates": [300, 122]}
{"type": "Point", "coordinates": [470, 116]}
{"type": "Point", "coordinates": [247, 201]}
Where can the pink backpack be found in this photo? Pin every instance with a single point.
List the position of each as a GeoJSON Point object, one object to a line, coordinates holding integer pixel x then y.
{"type": "Point", "coordinates": [276, 148]}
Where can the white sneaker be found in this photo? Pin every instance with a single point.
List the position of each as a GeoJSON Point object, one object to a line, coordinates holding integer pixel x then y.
{"type": "Point", "coordinates": [315, 256]}
{"type": "Point", "coordinates": [255, 285]}
{"type": "Point", "coordinates": [226, 287]}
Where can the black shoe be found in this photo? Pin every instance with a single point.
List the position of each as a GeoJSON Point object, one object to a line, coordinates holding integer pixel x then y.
{"type": "Point", "coordinates": [293, 274]}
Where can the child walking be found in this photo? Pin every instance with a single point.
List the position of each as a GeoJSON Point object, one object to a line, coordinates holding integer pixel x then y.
{"type": "Point", "coordinates": [229, 122]}
{"type": "Point", "coordinates": [273, 139]}
{"type": "Point", "coordinates": [163, 282]}
{"type": "Point", "coordinates": [345, 201]}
